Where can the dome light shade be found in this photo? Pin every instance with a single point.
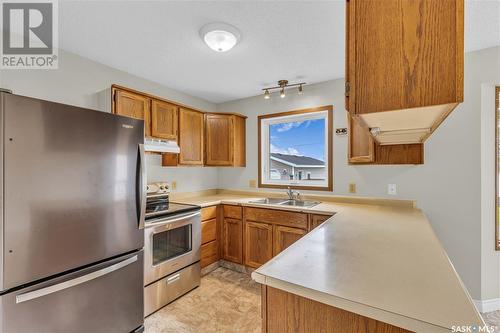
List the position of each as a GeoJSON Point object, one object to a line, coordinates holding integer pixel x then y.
{"type": "Point", "coordinates": [220, 37]}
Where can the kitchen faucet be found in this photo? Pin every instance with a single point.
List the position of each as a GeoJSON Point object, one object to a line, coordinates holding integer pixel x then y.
{"type": "Point", "coordinates": [292, 195]}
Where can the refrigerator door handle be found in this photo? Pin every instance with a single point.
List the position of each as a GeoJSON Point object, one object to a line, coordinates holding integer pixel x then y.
{"type": "Point", "coordinates": [73, 282]}
{"type": "Point", "coordinates": [142, 186]}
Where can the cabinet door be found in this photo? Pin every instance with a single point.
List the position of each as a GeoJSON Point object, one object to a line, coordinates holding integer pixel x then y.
{"type": "Point", "coordinates": [239, 155]}
{"type": "Point", "coordinates": [191, 128]}
{"type": "Point", "coordinates": [233, 240]}
{"type": "Point", "coordinates": [285, 236]}
{"type": "Point", "coordinates": [134, 106]}
{"type": "Point", "coordinates": [258, 243]}
{"type": "Point", "coordinates": [163, 120]}
{"type": "Point", "coordinates": [361, 144]}
{"type": "Point", "coordinates": [317, 219]}
{"type": "Point", "coordinates": [220, 139]}
{"type": "Point", "coordinates": [404, 54]}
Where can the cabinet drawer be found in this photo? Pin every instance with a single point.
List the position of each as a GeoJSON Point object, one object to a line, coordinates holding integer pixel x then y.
{"type": "Point", "coordinates": [233, 212]}
{"type": "Point", "coordinates": [209, 253]}
{"type": "Point", "coordinates": [208, 231]}
{"type": "Point", "coordinates": [281, 217]}
{"type": "Point", "coordinates": [208, 213]}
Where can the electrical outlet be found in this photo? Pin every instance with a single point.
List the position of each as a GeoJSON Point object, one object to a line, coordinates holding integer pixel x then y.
{"type": "Point", "coordinates": [252, 183]}
{"type": "Point", "coordinates": [392, 189]}
{"type": "Point", "coordinates": [173, 186]}
{"type": "Point", "coordinates": [352, 187]}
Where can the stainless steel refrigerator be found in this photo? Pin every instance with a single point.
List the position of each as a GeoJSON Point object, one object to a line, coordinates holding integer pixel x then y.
{"type": "Point", "coordinates": [72, 209]}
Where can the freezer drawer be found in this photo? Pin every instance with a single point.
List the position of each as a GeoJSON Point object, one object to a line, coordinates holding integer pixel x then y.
{"type": "Point", "coordinates": [107, 297]}
{"type": "Point", "coordinates": [164, 291]}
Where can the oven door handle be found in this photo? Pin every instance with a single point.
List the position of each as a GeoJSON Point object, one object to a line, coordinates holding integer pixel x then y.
{"type": "Point", "coordinates": [172, 220]}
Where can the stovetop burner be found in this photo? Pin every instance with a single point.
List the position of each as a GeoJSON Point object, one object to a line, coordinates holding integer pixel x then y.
{"type": "Point", "coordinates": [161, 206]}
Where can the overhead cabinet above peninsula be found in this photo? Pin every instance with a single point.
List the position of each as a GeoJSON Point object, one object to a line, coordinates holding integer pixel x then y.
{"type": "Point", "coordinates": [404, 66]}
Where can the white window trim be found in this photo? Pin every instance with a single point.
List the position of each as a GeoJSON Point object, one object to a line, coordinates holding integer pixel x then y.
{"type": "Point", "coordinates": [265, 146]}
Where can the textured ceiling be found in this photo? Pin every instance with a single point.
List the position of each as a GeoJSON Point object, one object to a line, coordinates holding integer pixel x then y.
{"type": "Point", "coordinates": [294, 40]}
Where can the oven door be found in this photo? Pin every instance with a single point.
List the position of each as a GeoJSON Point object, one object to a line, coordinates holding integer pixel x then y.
{"type": "Point", "coordinates": [171, 244]}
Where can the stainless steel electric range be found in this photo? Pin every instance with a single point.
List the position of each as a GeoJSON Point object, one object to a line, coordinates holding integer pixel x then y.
{"type": "Point", "coordinates": [171, 251]}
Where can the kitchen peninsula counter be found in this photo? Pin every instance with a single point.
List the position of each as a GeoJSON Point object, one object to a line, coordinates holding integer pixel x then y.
{"type": "Point", "coordinates": [380, 260]}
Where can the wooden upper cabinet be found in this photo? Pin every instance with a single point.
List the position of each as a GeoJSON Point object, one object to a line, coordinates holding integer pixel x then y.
{"type": "Point", "coordinates": [191, 130]}
{"type": "Point", "coordinates": [361, 144]}
{"type": "Point", "coordinates": [285, 236]}
{"type": "Point", "coordinates": [164, 120]}
{"type": "Point", "coordinates": [219, 144]}
{"type": "Point", "coordinates": [258, 243]}
{"type": "Point", "coordinates": [364, 150]}
{"type": "Point", "coordinates": [225, 140]}
{"type": "Point", "coordinates": [132, 105]}
{"type": "Point", "coordinates": [404, 65]}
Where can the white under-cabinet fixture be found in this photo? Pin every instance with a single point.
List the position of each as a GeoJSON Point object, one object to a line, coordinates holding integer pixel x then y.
{"type": "Point", "coordinates": [220, 37]}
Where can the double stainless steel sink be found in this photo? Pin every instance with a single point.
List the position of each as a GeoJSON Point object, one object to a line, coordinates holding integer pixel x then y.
{"type": "Point", "coordinates": [286, 202]}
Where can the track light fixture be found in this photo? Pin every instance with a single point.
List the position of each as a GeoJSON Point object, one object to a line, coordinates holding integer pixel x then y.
{"type": "Point", "coordinates": [282, 84]}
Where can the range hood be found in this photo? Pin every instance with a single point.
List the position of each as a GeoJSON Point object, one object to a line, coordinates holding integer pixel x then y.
{"type": "Point", "coordinates": [161, 146]}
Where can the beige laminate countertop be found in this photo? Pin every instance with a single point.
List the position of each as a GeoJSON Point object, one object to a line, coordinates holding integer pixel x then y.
{"type": "Point", "coordinates": [381, 262]}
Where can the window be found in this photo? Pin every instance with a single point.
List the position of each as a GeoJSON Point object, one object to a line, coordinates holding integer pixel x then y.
{"type": "Point", "coordinates": [497, 168]}
{"type": "Point", "coordinates": [295, 149]}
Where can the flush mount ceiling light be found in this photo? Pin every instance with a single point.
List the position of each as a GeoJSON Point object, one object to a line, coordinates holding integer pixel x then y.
{"type": "Point", "coordinates": [220, 37]}
{"type": "Point", "coordinates": [282, 84]}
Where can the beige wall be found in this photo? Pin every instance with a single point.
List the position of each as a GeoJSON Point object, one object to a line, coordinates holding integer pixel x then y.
{"type": "Point", "coordinates": [447, 187]}
{"type": "Point", "coordinates": [82, 82]}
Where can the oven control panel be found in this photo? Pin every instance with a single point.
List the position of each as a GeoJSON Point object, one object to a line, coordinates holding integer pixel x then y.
{"type": "Point", "coordinates": [158, 188]}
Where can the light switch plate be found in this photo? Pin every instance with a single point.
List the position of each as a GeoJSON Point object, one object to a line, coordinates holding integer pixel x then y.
{"type": "Point", "coordinates": [392, 189]}
{"type": "Point", "coordinates": [352, 187]}
{"type": "Point", "coordinates": [173, 185]}
{"type": "Point", "coordinates": [252, 183]}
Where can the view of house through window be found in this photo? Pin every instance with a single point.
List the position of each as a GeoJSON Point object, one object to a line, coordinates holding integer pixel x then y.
{"type": "Point", "coordinates": [295, 149]}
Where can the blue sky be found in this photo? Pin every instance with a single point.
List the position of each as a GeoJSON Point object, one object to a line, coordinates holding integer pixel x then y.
{"type": "Point", "coordinates": [306, 138]}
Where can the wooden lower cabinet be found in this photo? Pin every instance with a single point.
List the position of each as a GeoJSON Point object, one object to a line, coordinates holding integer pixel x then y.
{"type": "Point", "coordinates": [208, 231]}
{"type": "Point", "coordinates": [210, 239]}
{"type": "Point", "coordinates": [258, 243]}
{"type": "Point", "coordinates": [252, 236]}
{"type": "Point", "coordinates": [285, 236]}
{"type": "Point", "coordinates": [209, 253]}
{"type": "Point", "coordinates": [317, 219]}
{"type": "Point", "coordinates": [232, 249]}
{"type": "Point", "coordinates": [284, 312]}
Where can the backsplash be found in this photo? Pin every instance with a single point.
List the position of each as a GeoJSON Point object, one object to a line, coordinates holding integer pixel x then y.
{"type": "Point", "coordinates": [187, 178]}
